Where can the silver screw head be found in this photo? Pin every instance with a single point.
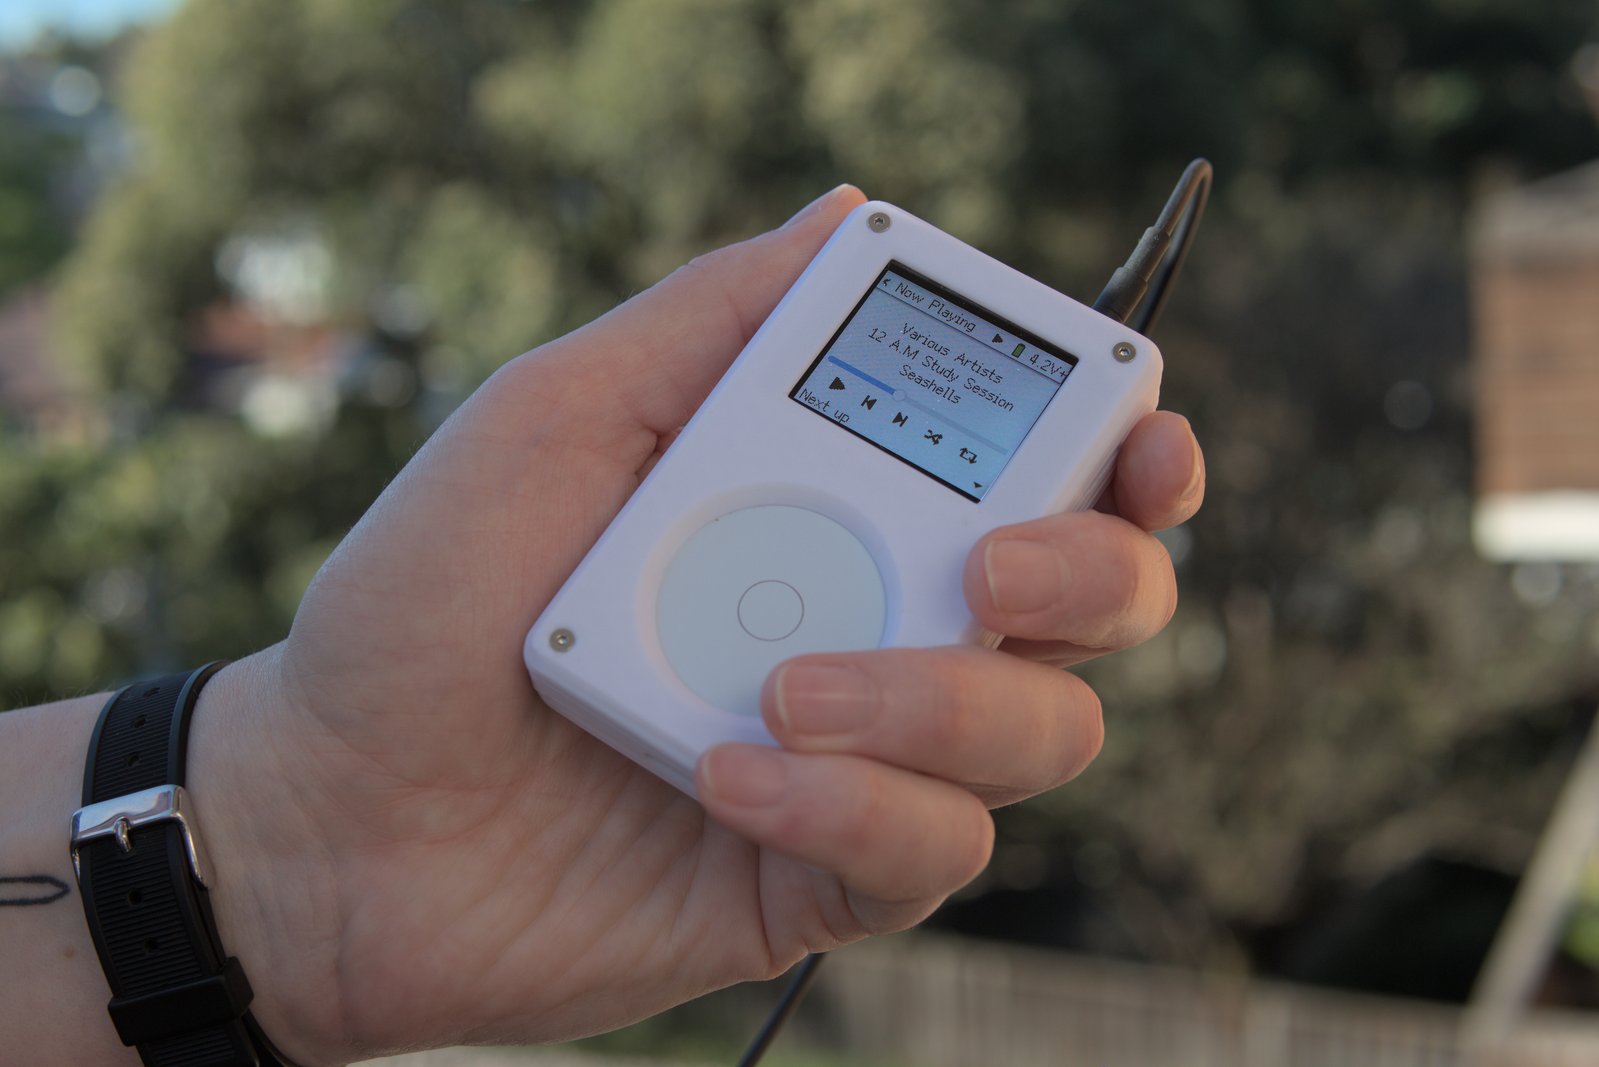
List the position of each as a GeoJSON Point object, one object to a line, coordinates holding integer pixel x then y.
{"type": "Point", "coordinates": [878, 221]}
{"type": "Point", "coordinates": [1124, 352]}
{"type": "Point", "coordinates": [562, 640]}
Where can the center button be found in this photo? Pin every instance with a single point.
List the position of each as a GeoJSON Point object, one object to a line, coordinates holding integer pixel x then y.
{"type": "Point", "coordinates": [770, 610]}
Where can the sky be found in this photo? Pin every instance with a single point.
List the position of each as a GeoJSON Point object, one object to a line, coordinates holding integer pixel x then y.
{"type": "Point", "coordinates": [23, 20]}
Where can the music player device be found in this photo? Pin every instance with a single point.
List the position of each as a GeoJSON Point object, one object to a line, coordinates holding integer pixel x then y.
{"type": "Point", "coordinates": [907, 395]}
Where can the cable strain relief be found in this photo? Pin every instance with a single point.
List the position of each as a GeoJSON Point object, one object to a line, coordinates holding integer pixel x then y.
{"type": "Point", "coordinates": [1150, 251]}
{"type": "Point", "coordinates": [1121, 294]}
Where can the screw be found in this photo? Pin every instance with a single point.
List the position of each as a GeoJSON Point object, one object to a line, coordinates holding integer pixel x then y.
{"type": "Point", "coordinates": [878, 221]}
{"type": "Point", "coordinates": [562, 640]}
{"type": "Point", "coordinates": [1124, 352]}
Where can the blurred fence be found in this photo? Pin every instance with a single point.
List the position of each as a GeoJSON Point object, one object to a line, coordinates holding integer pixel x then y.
{"type": "Point", "coordinates": [916, 1001]}
{"type": "Point", "coordinates": [928, 1003]}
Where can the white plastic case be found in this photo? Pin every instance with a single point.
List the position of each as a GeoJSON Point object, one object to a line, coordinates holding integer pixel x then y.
{"type": "Point", "coordinates": [596, 653]}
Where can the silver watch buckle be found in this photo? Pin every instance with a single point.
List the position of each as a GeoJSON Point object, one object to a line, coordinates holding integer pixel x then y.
{"type": "Point", "coordinates": [114, 818]}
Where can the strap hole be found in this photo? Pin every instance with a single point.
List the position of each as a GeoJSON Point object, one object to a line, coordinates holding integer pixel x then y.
{"type": "Point", "coordinates": [152, 946]}
{"type": "Point", "coordinates": [152, 691]}
{"type": "Point", "coordinates": [135, 898]}
{"type": "Point", "coordinates": [138, 722]}
{"type": "Point", "coordinates": [133, 759]}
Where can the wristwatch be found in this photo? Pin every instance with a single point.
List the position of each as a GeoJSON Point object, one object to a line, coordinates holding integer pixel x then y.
{"type": "Point", "coordinates": [176, 995]}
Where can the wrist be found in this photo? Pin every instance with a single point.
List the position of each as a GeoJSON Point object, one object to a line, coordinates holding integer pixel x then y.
{"type": "Point", "coordinates": [272, 892]}
{"type": "Point", "coordinates": [53, 992]}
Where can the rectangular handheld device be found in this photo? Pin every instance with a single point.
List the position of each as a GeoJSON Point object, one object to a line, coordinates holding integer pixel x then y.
{"type": "Point", "coordinates": [907, 395]}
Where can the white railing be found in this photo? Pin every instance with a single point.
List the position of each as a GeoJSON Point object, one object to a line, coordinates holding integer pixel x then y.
{"type": "Point", "coordinates": [939, 1003]}
{"type": "Point", "coordinates": [921, 1001]}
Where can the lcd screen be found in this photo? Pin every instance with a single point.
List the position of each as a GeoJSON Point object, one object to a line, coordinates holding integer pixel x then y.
{"type": "Point", "coordinates": [934, 379]}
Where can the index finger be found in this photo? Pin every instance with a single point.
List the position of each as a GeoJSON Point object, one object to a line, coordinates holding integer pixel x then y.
{"type": "Point", "coordinates": [1160, 474]}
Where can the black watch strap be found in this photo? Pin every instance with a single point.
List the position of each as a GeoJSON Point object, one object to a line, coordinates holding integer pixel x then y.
{"type": "Point", "coordinates": [175, 994]}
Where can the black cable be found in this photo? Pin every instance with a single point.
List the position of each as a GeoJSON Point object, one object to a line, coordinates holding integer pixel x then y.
{"type": "Point", "coordinates": [1163, 248]}
{"type": "Point", "coordinates": [785, 1007]}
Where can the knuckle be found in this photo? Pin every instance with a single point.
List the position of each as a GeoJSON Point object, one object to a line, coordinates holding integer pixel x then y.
{"type": "Point", "coordinates": [1172, 599]}
{"type": "Point", "coordinates": [1082, 733]}
{"type": "Point", "coordinates": [874, 917]}
{"type": "Point", "coordinates": [1160, 586]}
{"type": "Point", "coordinates": [979, 846]}
{"type": "Point", "coordinates": [858, 821]}
{"type": "Point", "coordinates": [948, 695]}
{"type": "Point", "coordinates": [703, 262]}
{"type": "Point", "coordinates": [1140, 593]}
{"type": "Point", "coordinates": [1131, 588]}
{"type": "Point", "coordinates": [1118, 583]}
{"type": "Point", "coordinates": [1069, 734]}
{"type": "Point", "coordinates": [1183, 510]}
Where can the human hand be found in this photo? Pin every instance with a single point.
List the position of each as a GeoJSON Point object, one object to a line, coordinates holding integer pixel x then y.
{"type": "Point", "coordinates": [411, 849]}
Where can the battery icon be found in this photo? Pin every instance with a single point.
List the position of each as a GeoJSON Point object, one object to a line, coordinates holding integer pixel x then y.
{"type": "Point", "coordinates": [1017, 351]}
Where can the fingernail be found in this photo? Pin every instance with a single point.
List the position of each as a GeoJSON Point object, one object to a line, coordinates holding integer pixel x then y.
{"type": "Point", "coordinates": [1023, 576]}
{"type": "Point", "coordinates": [822, 700]}
{"type": "Point", "coordinates": [1197, 481]}
{"type": "Point", "coordinates": [812, 208]}
{"type": "Point", "coordinates": [749, 777]}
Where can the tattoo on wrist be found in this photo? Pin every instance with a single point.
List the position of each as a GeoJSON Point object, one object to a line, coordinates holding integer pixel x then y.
{"type": "Point", "coordinates": [22, 890]}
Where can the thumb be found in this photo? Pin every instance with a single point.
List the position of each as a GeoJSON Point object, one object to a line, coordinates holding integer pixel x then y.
{"type": "Point", "coordinates": [665, 348]}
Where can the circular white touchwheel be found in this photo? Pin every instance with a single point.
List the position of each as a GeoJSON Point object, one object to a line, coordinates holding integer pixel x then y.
{"type": "Point", "coordinates": [757, 586]}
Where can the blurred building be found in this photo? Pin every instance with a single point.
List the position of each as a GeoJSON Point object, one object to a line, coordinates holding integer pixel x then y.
{"type": "Point", "coordinates": [1535, 277]}
{"type": "Point", "coordinates": [282, 378]}
{"type": "Point", "coordinates": [36, 399]}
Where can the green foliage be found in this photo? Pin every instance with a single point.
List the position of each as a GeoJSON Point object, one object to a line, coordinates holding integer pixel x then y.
{"type": "Point", "coordinates": [143, 264]}
{"type": "Point", "coordinates": [521, 166]}
{"type": "Point", "coordinates": [1582, 934]}
{"type": "Point", "coordinates": [193, 544]}
{"type": "Point", "coordinates": [33, 236]}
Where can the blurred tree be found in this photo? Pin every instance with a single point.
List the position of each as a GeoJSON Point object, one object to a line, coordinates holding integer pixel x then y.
{"type": "Point", "coordinates": [51, 114]}
{"type": "Point", "coordinates": [501, 172]}
{"type": "Point", "coordinates": [192, 543]}
{"type": "Point", "coordinates": [33, 233]}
